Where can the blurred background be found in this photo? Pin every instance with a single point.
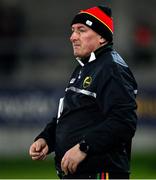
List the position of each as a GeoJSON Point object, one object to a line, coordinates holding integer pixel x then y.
{"type": "Point", "coordinates": [36, 61]}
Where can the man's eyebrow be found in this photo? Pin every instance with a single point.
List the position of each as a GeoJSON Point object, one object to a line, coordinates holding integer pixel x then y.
{"type": "Point", "coordinates": [79, 27]}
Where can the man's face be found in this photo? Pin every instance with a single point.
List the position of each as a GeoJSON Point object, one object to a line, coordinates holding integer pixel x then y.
{"type": "Point", "coordinates": [84, 40]}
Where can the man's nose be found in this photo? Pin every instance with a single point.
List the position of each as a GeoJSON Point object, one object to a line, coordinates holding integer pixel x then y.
{"type": "Point", "coordinates": [74, 36]}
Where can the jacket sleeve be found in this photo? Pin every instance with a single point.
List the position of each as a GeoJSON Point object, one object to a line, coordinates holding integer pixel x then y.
{"type": "Point", "coordinates": [49, 134]}
{"type": "Point", "coordinates": [116, 100]}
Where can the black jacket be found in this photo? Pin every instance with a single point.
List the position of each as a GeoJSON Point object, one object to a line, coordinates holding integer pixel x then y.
{"type": "Point", "coordinates": [98, 107]}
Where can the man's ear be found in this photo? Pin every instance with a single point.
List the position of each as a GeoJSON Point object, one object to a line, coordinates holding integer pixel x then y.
{"type": "Point", "coordinates": [102, 40]}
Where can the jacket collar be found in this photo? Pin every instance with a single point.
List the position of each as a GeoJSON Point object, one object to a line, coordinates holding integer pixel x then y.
{"type": "Point", "coordinates": [93, 55]}
{"type": "Point", "coordinates": [91, 58]}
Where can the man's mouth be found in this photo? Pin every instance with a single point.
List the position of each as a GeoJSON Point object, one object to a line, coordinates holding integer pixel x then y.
{"type": "Point", "coordinates": [76, 45]}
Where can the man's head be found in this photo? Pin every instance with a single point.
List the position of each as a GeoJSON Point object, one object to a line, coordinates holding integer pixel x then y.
{"type": "Point", "coordinates": [91, 29]}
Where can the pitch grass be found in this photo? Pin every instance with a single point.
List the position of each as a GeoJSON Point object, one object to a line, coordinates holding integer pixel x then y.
{"type": "Point", "coordinates": [143, 166]}
{"type": "Point", "coordinates": [25, 168]}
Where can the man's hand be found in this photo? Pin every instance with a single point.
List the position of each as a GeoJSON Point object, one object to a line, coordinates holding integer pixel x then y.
{"type": "Point", "coordinates": [39, 149]}
{"type": "Point", "coordinates": [71, 159]}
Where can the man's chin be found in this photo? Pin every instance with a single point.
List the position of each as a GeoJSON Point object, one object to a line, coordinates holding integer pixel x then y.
{"type": "Point", "coordinates": [76, 54]}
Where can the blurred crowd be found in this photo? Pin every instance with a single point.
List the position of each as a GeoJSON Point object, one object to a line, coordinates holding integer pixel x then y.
{"type": "Point", "coordinates": [11, 31]}
{"type": "Point", "coordinates": [17, 49]}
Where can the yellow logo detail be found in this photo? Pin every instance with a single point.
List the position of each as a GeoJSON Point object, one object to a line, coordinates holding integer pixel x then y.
{"type": "Point", "coordinates": [87, 82]}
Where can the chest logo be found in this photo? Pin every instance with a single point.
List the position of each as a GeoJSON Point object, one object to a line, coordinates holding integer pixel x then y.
{"type": "Point", "coordinates": [87, 82]}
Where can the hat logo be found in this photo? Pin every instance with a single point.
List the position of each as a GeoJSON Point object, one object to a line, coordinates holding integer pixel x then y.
{"type": "Point", "coordinates": [87, 82]}
{"type": "Point", "coordinates": [89, 23]}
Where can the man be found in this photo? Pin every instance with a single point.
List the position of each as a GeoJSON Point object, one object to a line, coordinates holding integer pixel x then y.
{"type": "Point", "coordinates": [91, 136]}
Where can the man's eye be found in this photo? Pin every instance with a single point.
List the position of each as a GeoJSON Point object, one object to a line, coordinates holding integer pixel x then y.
{"type": "Point", "coordinates": [82, 30]}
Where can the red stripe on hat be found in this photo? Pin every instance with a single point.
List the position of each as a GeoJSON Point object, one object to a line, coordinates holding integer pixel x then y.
{"type": "Point", "coordinates": [101, 16]}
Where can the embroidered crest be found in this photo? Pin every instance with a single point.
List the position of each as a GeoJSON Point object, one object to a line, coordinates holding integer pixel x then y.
{"type": "Point", "coordinates": [87, 82]}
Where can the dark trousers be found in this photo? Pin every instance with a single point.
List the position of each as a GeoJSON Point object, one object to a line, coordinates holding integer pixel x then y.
{"type": "Point", "coordinates": [102, 175]}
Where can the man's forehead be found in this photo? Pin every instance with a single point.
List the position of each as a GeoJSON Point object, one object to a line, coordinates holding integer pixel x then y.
{"type": "Point", "coordinates": [79, 25]}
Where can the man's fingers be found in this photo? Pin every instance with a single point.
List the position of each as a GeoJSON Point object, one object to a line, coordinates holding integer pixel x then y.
{"type": "Point", "coordinates": [45, 150]}
{"type": "Point", "coordinates": [34, 149]}
{"type": "Point", "coordinates": [31, 149]}
{"type": "Point", "coordinates": [64, 165]}
{"type": "Point", "coordinates": [42, 156]}
{"type": "Point", "coordinates": [39, 150]}
{"type": "Point", "coordinates": [38, 146]}
{"type": "Point", "coordinates": [35, 157]}
{"type": "Point", "coordinates": [34, 154]}
{"type": "Point", "coordinates": [38, 156]}
{"type": "Point", "coordinates": [67, 165]}
{"type": "Point", "coordinates": [72, 167]}
{"type": "Point", "coordinates": [71, 159]}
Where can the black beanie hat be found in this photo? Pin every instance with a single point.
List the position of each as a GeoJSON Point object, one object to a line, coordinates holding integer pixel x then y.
{"type": "Point", "coordinates": [99, 19]}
